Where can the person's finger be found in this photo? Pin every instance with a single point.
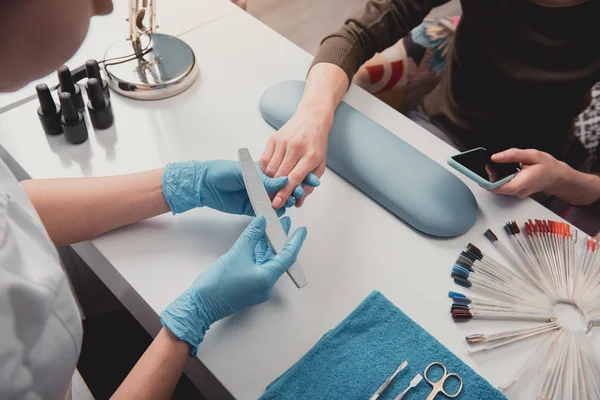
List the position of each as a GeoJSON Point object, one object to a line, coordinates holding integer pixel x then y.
{"type": "Point", "coordinates": [301, 201]}
{"type": "Point", "coordinates": [491, 173]}
{"type": "Point", "coordinates": [290, 202]}
{"type": "Point", "coordinates": [528, 156]}
{"type": "Point", "coordinates": [291, 159]}
{"type": "Point", "coordinates": [284, 259]}
{"type": "Point", "coordinates": [261, 251]}
{"type": "Point", "coordinates": [267, 154]}
{"type": "Point", "coordinates": [311, 180]}
{"type": "Point", "coordinates": [275, 161]}
{"type": "Point", "coordinates": [254, 232]}
{"type": "Point", "coordinates": [295, 178]}
{"type": "Point", "coordinates": [518, 183]}
{"type": "Point", "coordinates": [299, 192]}
{"type": "Point", "coordinates": [286, 223]}
{"type": "Point", "coordinates": [508, 189]}
{"type": "Point", "coordinates": [320, 170]}
{"type": "Point", "coordinates": [273, 185]}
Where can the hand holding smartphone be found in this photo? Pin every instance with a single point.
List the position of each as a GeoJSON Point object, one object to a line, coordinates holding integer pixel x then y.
{"type": "Point", "coordinates": [477, 165]}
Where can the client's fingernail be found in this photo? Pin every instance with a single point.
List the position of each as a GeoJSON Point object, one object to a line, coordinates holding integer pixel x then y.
{"type": "Point", "coordinates": [277, 202]}
{"type": "Point", "coordinates": [498, 157]}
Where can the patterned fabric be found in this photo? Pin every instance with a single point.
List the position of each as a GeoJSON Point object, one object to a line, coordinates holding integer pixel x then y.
{"type": "Point", "coordinates": [436, 35]}
{"type": "Point", "coordinates": [587, 125]}
{"type": "Point", "coordinates": [412, 67]}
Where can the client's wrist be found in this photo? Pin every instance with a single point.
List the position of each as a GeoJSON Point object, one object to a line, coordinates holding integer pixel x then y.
{"type": "Point", "coordinates": [575, 187]}
{"type": "Point", "coordinates": [563, 176]}
{"type": "Point", "coordinates": [318, 108]}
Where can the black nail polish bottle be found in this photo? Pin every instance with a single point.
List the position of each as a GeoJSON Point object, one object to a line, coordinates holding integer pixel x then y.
{"type": "Point", "coordinates": [93, 71]}
{"type": "Point", "coordinates": [65, 79]}
{"type": "Point", "coordinates": [99, 106]}
{"type": "Point", "coordinates": [72, 121]}
{"type": "Point", "coordinates": [48, 112]}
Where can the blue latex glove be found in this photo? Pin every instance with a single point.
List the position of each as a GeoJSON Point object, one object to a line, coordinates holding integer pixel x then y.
{"type": "Point", "coordinates": [218, 184]}
{"type": "Point", "coordinates": [243, 277]}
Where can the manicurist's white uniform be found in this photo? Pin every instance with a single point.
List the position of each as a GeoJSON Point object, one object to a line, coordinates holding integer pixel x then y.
{"type": "Point", "coordinates": [40, 325]}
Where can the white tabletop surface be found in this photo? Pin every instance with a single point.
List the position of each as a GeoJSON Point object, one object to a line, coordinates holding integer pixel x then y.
{"type": "Point", "coordinates": [354, 246]}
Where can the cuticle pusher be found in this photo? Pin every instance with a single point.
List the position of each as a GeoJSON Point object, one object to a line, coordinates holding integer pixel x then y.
{"type": "Point", "coordinates": [388, 381]}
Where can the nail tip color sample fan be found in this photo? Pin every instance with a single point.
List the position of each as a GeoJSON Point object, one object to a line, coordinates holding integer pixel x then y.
{"type": "Point", "coordinates": [548, 272]}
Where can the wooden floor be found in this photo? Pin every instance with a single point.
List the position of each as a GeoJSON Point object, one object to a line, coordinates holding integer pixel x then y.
{"type": "Point", "coordinates": [306, 22]}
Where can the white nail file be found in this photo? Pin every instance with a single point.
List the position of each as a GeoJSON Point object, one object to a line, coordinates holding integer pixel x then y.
{"type": "Point", "coordinates": [261, 203]}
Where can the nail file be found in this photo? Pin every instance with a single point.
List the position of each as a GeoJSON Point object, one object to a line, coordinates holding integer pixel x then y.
{"type": "Point", "coordinates": [261, 203]}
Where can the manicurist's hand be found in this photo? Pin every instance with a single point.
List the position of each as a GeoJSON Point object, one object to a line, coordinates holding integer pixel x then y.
{"type": "Point", "coordinates": [299, 148]}
{"type": "Point", "coordinates": [243, 277]}
{"type": "Point", "coordinates": [216, 184]}
{"type": "Point", "coordinates": [540, 172]}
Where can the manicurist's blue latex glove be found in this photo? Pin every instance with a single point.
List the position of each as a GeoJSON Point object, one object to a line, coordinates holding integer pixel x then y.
{"type": "Point", "coordinates": [243, 277]}
{"type": "Point", "coordinates": [218, 184]}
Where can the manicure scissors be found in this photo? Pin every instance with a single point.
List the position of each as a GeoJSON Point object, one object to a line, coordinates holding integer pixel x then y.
{"type": "Point", "coordinates": [438, 386]}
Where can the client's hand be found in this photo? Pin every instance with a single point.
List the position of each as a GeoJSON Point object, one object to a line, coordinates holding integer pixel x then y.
{"type": "Point", "coordinates": [216, 184]}
{"type": "Point", "coordinates": [243, 277]}
{"type": "Point", "coordinates": [298, 151]}
{"type": "Point", "coordinates": [540, 172]}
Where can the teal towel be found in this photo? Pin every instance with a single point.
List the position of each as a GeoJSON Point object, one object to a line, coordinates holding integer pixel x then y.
{"type": "Point", "coordinates": [355, 358]}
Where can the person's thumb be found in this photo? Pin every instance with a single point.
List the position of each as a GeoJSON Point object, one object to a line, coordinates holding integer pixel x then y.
{"type": "Point", "coordinates": [252, 234]}
{"type": "Point", "coordinates": [529, 156]}
{"type": "Point", "coordinates": [286, 257]}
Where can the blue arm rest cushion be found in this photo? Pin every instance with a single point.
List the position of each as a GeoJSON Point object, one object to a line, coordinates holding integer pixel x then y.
{"type": "Point", "coordinates": [399, 177]}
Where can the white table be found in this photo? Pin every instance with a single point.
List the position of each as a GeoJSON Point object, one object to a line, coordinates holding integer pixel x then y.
{"type": "Point", "coordinates": [354, 245]}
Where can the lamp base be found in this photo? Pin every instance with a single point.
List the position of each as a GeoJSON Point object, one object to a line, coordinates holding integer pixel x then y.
{"type": "Point", "coordinates": [155, 67]}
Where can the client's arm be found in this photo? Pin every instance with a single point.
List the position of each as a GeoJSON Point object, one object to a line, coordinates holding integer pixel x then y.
{"type": "Point", "coordinates": [300, 146]}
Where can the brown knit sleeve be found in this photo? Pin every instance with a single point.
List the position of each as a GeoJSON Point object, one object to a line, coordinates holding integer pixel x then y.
{"type": "Point", "coordinates": [380, 24]}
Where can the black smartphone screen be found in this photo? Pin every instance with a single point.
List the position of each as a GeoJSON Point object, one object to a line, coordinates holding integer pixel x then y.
{"type": "Point", "coordinates": [479, 161]}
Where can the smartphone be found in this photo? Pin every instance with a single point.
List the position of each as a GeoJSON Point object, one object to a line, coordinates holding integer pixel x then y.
{"type": "Point", "coordinates": [477, 165]}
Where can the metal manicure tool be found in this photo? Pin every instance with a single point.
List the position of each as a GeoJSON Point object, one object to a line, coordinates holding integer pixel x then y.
{"type": "Point", "coordinates": [261, 203]}
{"type": "Point", "coordinates": [415, 381]}
{"type": "Point", "coordinates": [388, 381]}
{"type": "Point", "coordinates": [438, 385]}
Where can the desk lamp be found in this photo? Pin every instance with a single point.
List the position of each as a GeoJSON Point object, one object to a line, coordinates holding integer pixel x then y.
{"type": "Point", "coordinates": [149, 65]}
